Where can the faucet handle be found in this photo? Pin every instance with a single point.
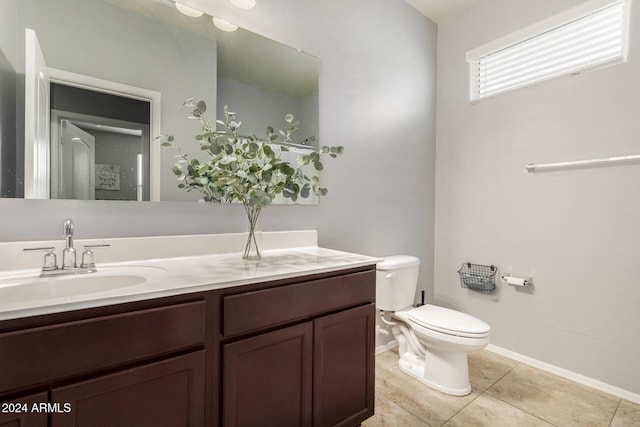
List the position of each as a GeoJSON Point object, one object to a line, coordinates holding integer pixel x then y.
{"type": "Point", "coordinates": [50, 261]}
{"type": "Point", "coordinates": [87, 255]}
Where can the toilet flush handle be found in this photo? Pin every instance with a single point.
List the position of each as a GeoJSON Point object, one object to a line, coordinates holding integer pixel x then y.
{"type": "Point", "coordinates": [391, 275]}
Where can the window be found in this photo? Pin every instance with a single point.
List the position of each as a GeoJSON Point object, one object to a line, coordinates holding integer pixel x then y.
{"type": "Point", "coordinates": [590, 36]}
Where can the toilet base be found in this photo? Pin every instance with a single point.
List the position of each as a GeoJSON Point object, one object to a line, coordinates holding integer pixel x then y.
{"type": "Point", "coordinates": [445, 371]}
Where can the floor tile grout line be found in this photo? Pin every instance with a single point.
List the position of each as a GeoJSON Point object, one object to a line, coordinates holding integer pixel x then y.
{"type": "Point", "coordinates": [492, 385]}
{"type": "Point", "coordinates": [512, 404]}
{"type": "Point", "coordinates": [399, 405]}
{"type": "Point", "coordinates": [406, 410]}
{"type": "Point", "coordinates": [534, 415]}
{"type": "Point", "coordinates": [504, 375]}
{"type": "Point", "coordinates": [613, 417]}
{"type": "Point", "coordinates": [479, 394]}
{"type": "Point", "coordinates": [461, 409]}
{"type": "Point", "coordinates": [416, 416]}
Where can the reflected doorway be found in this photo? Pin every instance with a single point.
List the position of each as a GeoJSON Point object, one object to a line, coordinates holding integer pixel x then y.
{"type": "Point", "coordinates": [95, 154]}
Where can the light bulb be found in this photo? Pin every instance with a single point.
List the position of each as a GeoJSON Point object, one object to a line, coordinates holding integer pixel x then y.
{"type": "Point", "coordinates": [244, 4]}
{"type": "Point", "coordinates": [188, 10]}
{"type": "Point", "coordinates": [224, 25]}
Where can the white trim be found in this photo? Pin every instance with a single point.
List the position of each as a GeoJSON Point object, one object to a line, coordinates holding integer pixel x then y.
{"type": "Point", "coordinates": [564, 373]}
{"type": "Point", "coordinates": [154, 99]}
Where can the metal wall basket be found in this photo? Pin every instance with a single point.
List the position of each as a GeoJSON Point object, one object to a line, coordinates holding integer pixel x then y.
{"type": "Point", "coordinates": [478, 277]}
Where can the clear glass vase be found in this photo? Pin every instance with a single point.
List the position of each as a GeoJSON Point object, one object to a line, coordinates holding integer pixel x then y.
{"type": "Point", "coordinates": [252, 237]}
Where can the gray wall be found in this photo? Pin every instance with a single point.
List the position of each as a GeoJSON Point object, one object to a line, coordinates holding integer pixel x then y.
{"type": "Point", "coordinates": [575, 231]}
{"type": "Point", "coordinates": [264, 108]}
{"type": "Point", "coordinates": [377, 99]}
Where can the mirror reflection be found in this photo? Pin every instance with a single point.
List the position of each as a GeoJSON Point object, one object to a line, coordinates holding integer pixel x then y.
{"type": "Point", "coordinates": [84, 94]}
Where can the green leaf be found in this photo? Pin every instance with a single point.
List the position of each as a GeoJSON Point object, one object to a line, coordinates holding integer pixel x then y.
{"type": "Point", "coordinates": [215, 148]}
{"type": "Point", "coordinates": [201, 107]}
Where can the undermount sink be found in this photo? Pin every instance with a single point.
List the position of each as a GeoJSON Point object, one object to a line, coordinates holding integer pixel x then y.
{"type": "Point", "coordinates": [31, 287]}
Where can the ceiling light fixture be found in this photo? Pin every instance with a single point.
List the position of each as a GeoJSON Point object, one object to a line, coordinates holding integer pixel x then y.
{"type": "Point", "coordinates": [224, 25]}
{"type": "Point", "coordinates": [188, 10]}
{"type": "Point", "coordinates": [244, 4]}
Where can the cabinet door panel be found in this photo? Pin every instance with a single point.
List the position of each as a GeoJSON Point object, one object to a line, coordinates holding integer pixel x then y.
{"type": "Point", "coordinates": [22, 413]}
{"type": "Point", "coordinates": [343, 373]}
{"type": "Point", "coordinates": [168, 393]}
{"type": "Point", "coordinates": [267, 379]}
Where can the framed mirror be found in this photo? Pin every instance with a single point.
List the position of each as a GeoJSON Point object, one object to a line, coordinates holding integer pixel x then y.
{"type": "Point", "coordinates": [83, 97]}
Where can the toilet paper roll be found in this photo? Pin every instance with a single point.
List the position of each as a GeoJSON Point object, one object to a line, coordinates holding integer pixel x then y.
{"type": "Point", "coordinates": [515, 281]}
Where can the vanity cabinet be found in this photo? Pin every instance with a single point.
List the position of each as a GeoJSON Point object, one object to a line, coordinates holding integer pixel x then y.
{"type": "Point", "coordinates": [141, 367]}
{"type": "Point", "coordinates": [288, 352]}
{"type": "Point", "coordinates": [20, 413]}
{"type": "Point", "coordinates": [317, 372]}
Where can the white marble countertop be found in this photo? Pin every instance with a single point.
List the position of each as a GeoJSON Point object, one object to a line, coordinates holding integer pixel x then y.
{"type": "Point", "coordinates": [161, 277]}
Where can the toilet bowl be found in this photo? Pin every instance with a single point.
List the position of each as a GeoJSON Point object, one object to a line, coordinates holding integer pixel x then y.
{"type": "Point", "coordinates": [433, 341]}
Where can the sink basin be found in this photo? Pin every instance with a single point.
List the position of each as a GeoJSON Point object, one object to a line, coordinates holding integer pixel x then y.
{"type": "Point", "coordinates": [30, 287]}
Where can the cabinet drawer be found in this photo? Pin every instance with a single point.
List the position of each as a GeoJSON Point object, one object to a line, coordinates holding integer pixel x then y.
{"type": "Point", "coordinates": [252, 311]}
{"type": "Point", "coordinates": [44, 354]}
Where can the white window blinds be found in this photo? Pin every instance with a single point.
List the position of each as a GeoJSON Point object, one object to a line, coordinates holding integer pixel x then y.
{"type": "Point", "coordinates": [592, 36]}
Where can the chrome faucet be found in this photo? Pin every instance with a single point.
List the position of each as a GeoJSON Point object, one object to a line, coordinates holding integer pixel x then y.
{"type": "Point", "coordinates": [69, 259]}
{"type": "Point", "coordinates": [69, 252]}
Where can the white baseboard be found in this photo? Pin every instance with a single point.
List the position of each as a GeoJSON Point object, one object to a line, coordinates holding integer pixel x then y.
{"type": "Point", "coordinates": [387, 346]}
{"type": "Point", "coordinates": [581, 379]}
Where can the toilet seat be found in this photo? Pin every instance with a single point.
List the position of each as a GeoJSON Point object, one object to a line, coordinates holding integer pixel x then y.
{"type": "Point", "coordinates": [447, 321]}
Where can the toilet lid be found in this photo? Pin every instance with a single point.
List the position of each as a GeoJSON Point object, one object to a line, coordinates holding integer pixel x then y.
{"type": "Point", "coordinates": [448, 321]}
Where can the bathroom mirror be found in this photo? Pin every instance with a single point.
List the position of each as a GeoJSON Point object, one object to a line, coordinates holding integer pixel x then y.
{"type": "Point", "coordinates": [132, 64]}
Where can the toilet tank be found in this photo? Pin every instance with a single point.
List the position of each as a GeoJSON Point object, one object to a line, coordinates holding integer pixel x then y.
{"type": "Point", "coordinates": [396, 282]}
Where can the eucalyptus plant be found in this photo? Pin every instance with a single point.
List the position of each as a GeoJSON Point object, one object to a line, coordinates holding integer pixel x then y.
{"type": "Point", "coordinates": [246, 169]}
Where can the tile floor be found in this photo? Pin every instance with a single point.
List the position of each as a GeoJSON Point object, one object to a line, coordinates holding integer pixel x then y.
{"type": "Point", "coordinates": [505, 393]}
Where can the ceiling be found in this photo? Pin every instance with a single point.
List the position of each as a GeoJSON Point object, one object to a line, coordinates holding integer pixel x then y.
{"type": "Point", "coordinates": [437, 10]}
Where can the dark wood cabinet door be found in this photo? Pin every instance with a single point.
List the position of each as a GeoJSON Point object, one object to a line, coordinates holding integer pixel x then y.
{"type": "Point", "coordinates": [169, 393]}
{"type": "Point", "coordinates": [25, 412]}
{"type": "Point", "coordinates": [267, 379]}
{"type": "Point", "coordinates": [343, 373]}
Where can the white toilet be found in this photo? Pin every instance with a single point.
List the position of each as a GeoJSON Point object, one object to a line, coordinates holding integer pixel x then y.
{"type": "Point", "coordinates": [433, 341]}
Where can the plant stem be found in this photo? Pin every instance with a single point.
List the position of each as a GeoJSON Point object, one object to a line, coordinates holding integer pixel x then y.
{"type": "Point", "coordinates": [253, 213]}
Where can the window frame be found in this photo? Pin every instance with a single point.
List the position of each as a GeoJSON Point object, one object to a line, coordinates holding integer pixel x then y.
{"type": "Point", "coordinates": [539, 28]}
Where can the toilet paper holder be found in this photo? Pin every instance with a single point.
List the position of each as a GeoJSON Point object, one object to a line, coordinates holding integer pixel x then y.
{"type": "Point", "coordinates": [517, 281]}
